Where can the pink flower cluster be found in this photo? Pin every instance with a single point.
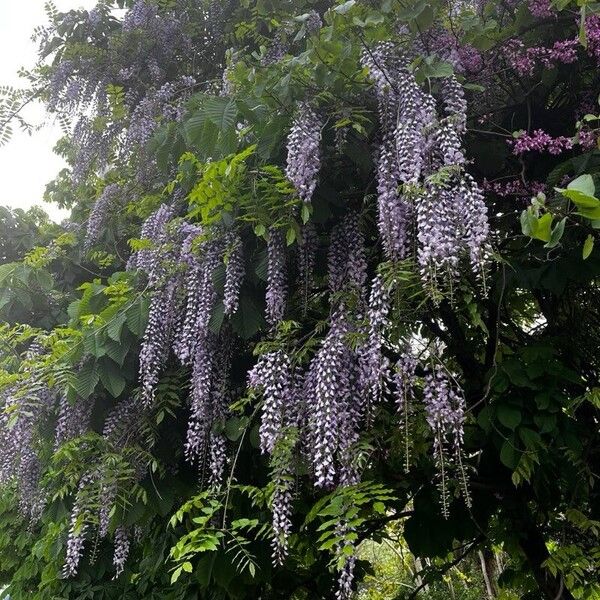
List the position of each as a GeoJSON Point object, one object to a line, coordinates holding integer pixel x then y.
{"type": "Point", "coordinates": [464, 57]}
{"type": "Point", "coordinates": [524, 60]}
{"type": "Point", "coordinates": [592, 33]}
{"type": "Point", "coordinates": [514, 187]}
{"type": "Point", "coordinates": [588, 139]}
{"type": "Point", "coordinates": [540, 141]}
{"type": "Point", "coordinates": [542, 9]}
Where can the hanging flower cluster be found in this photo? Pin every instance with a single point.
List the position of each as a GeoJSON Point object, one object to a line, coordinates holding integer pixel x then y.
{"type": "Point", "coordinates": [421, 171]}
{"type": "Point", "coordinates": [304, 151]}
{"type": "Point", "coordinates": [307, 251]}
{"type": "Point", "coordinates": [276, 277]}
{"type": "Point", "coordinates": [133, 90]}
{"type": "Point", "coordinates": [273, 375]}
{"type": "Point", "coordinates": [24, 410]}
{"type": "Point", "coordinates": [445, 410]}
{"type": "Point", "coordinates": [234, 274]}
{"type": "Point", "coordinates": [100, 212]}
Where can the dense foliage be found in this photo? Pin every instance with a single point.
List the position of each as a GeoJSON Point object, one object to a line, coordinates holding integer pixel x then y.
{"type": "Point", "coordinates": [329, 277]}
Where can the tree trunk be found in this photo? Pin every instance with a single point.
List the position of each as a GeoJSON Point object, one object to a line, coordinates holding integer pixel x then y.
{"type": "Point", "coordinates": [488, 576]}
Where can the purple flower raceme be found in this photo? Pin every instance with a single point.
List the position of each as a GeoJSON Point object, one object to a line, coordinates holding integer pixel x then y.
{"type": "Point", "coordinates": [73, 419]}
{"type": "Point", "coordinates": [332, 369]}
{"type": "Point", "coordinates": [421, 171]}
{"type": "Point", "coordinates": [455, 103]}
{"type": "Point", "coordinates": [155, 232]}
{"type": "Point", "coordinates": [157, 339]}
{"type": "Point", "coordinates": [234, 274]}
{"type": "Point", "coordinates": [514, 187]}
{"type": "Point", "coordinates": [407, 118]}
{"type": "Point", "coordinates": [24, 408]}
{"type": "Point", "coordinates": [313, 22]}
{"type": "Point", "coordinates": [374, 365]}
{"type": "Point", "coordinates": [438, 250]}
{"type": "Point", "coordinates": [463, 57]}
{"type": "Point", "coordinates": [205, 445]}
{"type": "Point", "coordinates": [121, 550]}
{"type": "Point", "coordinates": [281, 507]}
{"type": "Point", "coordinates": [445, 412]}
{"type": "Point", "coordinates": [105, 204]}
{"type": "Point", "coordinates": [307, 252]}
{"type": "Point", "coordinates": [78, 529]}
{"type": "Point", "coordinates": [200, 297]}
{"type": "Point", "coordinates": [345, 579]}
{"type": "Point", "coordinates": [273, 374]}
{"type": "Point", "coordinates": [219, 412]}
{"type": "Point", "coordinates": [304, 151]}
{"type": "Point", "coordinates": [404, 380]}
{"type": "Point", "coordinates": [356, 267]}
{"type": "Point", "coordinates": [276, 277]}
{"type": "Point", "coordinates": [202, 385]}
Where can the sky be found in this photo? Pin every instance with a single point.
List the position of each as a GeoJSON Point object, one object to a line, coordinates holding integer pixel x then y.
{"type": "Point", "coordinates": [27, 162]}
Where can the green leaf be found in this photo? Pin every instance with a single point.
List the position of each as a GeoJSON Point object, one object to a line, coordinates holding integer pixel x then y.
{"type": "Point", "coordinates": [176, 574]}
{"type": "Point", "coordinates": [543, 230]}
{"type": "Point", "coordinates": [290, 236]}
{"type": "Point", "coordinates": [509, 455]}
{"type": "Point", "coordinates": [136, 316]}
{"type": "Point", "coordinates": [248, 319]}
{"type": "Point", "coordinates": [531, 438]}
{"type": "Point", "coordinates": [537, 228]}
{"type": "Point", "coordinates": [588, 246]}
{"type": "Point", "coordinates": [509, 416]}
{"type": "Point", "coordinates": [115, 326]}
{"type": "Point", "coordinates": [118, 350]}
{"type": "Point", "coordinates": [87, 378]}
{"type": "Point", "coordinates": [222, 112]}
{"type": "Point", "coordinates": [344, 8]}
{"type": "Point", "coordinates": [557, 233]}
{"type": "Point", "coordinates": [111, 378]}
{"type": "Point", "coordinates": [581, 192]}
{"type": "Point", "coordinates": [583, 184]}
{"type": "Point", "coordinates": [234, 427]}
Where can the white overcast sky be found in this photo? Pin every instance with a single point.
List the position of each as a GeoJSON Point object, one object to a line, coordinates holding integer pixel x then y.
{"type": "Point", "coordinates": [27, 162]}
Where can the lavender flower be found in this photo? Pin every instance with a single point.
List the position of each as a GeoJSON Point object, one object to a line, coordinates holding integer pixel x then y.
{"type": "Point", "coordinates": [272, 373]}
{"type": "Point", "coordinates": [157, 340]}
{"type": "Point", "coordinates": [347, 264]}
{"type": "Point", "coordinates": [234, 275]}
{"type": "Point", "coordinates": [374, 366]}
{"type": "Point", "coordinates": [276, 277]}
{"type": "Point", "coordinates": [304, 151]}
{"type": "Point", "coordinates": [202, 382]}
{"type": "Point", "coordinates": [404, 379]}
{"type": "Point", "coordinates": [331, 367]}
{"type": "Point", "coordinates": [445, 410]}
{"type": "Point", "coordinates": [77, 529]}
{"type": "Point", "coordinates": [121, 552]}
{"type": "Point", "coordinates": [73, 419]}
{"type": "Point", "coordinates": [307, 250]}
{"type": "Point", "coordinates": [100, 212]}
